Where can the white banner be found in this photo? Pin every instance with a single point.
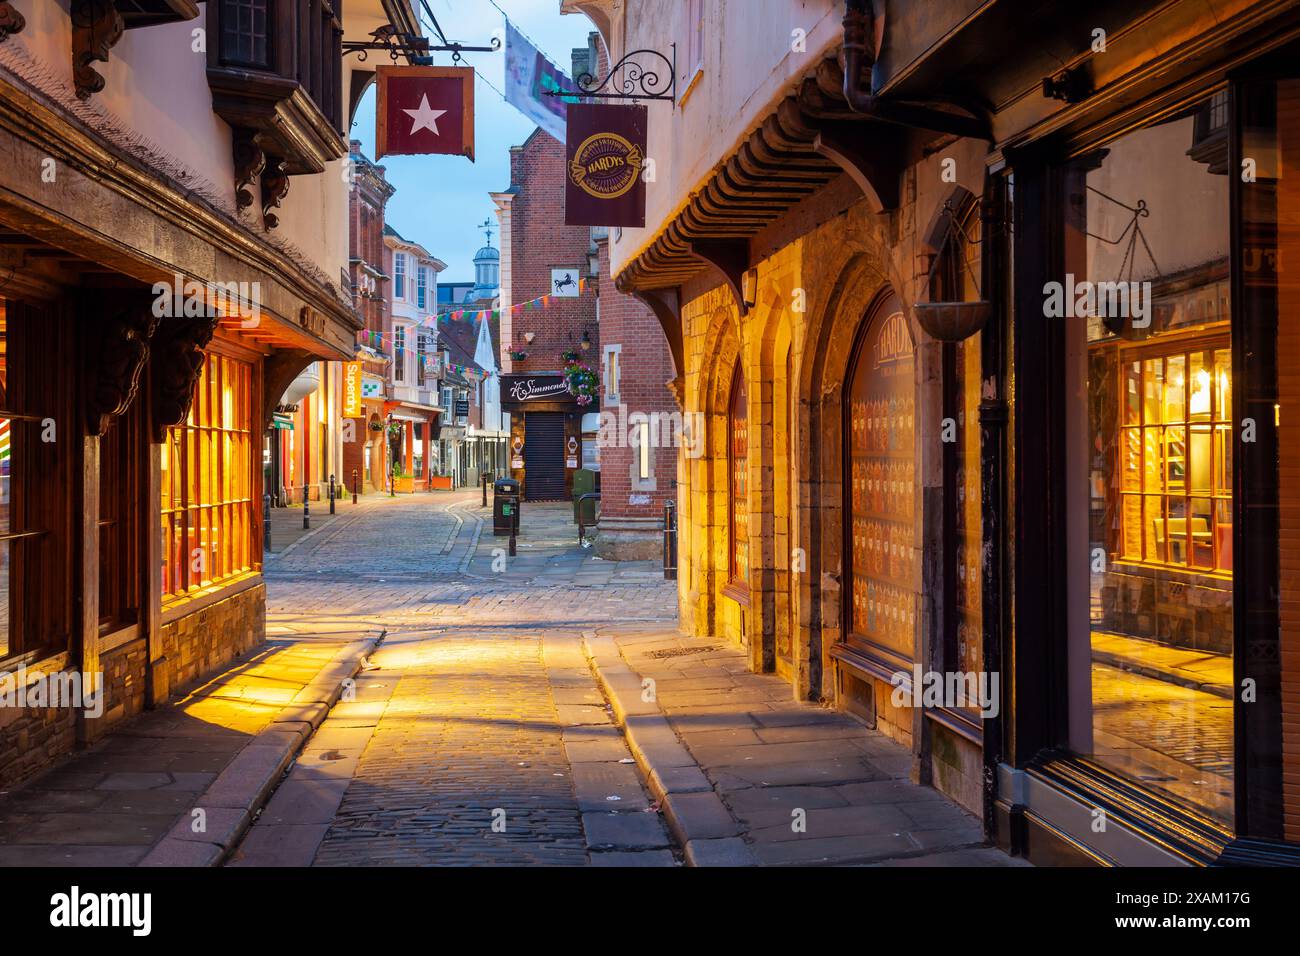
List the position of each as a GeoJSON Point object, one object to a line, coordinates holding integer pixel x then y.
{"type": "Point", "coordinates": [529, 76]}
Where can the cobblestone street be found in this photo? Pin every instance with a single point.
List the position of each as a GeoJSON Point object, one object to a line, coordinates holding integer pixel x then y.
{"type": "Point", "coordinates": [477, 734]}
{"type": "Point", "coordinates": [502, 720]}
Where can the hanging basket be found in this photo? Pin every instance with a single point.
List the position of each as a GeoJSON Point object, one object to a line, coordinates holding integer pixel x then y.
{"type": "Point", "coordinates": [952, 321]}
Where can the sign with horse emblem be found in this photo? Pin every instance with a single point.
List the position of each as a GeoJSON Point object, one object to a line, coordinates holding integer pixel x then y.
{"type": "Point", "coordinates": [606, 153]}
{"type": "Point", "coordinates": [565, 283]}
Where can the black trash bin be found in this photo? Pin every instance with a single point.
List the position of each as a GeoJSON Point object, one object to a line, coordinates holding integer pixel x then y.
{"type": "Point", "coordinates": [505, 507]}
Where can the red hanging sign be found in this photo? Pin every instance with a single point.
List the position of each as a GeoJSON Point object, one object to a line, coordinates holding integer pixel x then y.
{"type": "Point", "coordinates": [425, 110]}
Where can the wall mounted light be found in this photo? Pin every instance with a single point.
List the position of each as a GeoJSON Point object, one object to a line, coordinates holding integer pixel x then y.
{"type": "Point", "coordinates": [529, 336]}
{"type": "Point", "coordinates": [749, 288]}
{"type": "Point", "coordinates": [586, 341]}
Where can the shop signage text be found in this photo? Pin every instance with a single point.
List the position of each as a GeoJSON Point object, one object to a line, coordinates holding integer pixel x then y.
{"type": "Point", "coordinates": [606, 153]}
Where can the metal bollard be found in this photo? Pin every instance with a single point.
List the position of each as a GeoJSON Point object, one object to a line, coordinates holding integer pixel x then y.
{"type": "Point", "coordinates": [670, 540]}
{"type": "Point", "coordinates": [514, 523]}
{"type": "Point", "coordinates": [485, 484]}
{"type": "Point", "coordinates": [332, 494]}
{"type": "Point", "coordinates": [266, 522]}
{"type": "Point", "coordinates": [354, 486]}
{"type": "Point", "coordinates": [306, 508]}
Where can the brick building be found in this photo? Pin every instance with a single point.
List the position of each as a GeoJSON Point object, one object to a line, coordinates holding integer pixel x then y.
{"type": "Point", "coordinates": [547, 429]}
{"type": "Point", "coordinates": [625, 434]}
{"type": "Point", "coordinates": [363, 448]}
{"type": "Point", "coordinates": [639, 431]}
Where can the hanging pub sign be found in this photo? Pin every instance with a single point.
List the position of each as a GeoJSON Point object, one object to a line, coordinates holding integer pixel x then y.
{"type": "Point", "coordinates": [423, 110]}
{"type": "Point", "coordinates": [606, 154]}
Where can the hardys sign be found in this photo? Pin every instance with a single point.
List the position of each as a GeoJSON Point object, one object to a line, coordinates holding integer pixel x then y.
{"type": "Point", "coordinates": [606, 152]}
{"type": "Point", "coordinates": [526, 389]}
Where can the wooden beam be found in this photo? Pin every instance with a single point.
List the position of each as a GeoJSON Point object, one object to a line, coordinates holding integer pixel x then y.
{"type": "Point", "coordinates": [870, 154]}
{"type": "Point", "coordinates": [731, 259]}
{"type": "Point", "coordinates": [666, 304]}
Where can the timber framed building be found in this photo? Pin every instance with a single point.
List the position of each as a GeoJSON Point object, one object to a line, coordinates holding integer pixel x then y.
{"type": "Point", "coordinates": [173, 237]}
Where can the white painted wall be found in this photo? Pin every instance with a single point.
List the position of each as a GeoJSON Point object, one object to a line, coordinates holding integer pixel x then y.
{"type": "Point", "coordinates": [157, 88]}
{"type": "Point", "coordinates": [749, 64]}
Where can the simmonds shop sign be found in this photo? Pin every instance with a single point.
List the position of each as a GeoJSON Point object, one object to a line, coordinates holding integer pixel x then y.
{"type": "Point", "coordinates": [536, 388]}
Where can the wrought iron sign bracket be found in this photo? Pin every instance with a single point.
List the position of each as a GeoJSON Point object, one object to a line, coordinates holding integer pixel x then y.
{"type": "Point", "coordinates": [636, 77]}
{"type": "Point", "coordinates": [417, 49]}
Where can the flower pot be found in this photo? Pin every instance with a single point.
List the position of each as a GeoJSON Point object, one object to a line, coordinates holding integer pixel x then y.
{"type": "Point", "coordinates": [952, 321]}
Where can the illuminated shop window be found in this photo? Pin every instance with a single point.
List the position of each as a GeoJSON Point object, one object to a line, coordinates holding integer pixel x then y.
{"type": "Point", "coordinates": [1150, 563]}
{"type": "Point", "coordinates": [207, 483]}
{"type": "Point", "coordinates": [738, 422]}
{"type": "Point", "coordinates": [1176, 448]}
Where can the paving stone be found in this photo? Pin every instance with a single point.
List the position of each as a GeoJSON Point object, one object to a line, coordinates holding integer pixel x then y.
{"type": "Point", "coordinates": [302, 799]}
{"type": "Point", "coordinates": [637, 831]}
{"type": "Point", "coordinates": [832, 850]}
{"type": "Point", "coordinates": [276, 845]}
{"type": "Point", "coordinates": [173, 852]}
{"type": "Point", "coordinates": [728, 851]}
{"type": "Point", "coordinates": [595, 783]}
{"type": "Point", "coordinates": [678, 780]}
{"type": "Point", "coordinates": [633, 859]}
{"type": "Point", "coordinates": [698, 816]}
{"type": "Point", "coordinates": [71, 855]}
{"type": "Point", "coordinates": [220, 826]}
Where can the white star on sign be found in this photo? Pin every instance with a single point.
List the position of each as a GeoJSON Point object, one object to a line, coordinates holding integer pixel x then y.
{"type": "Point", "coordinates": [424, 117]}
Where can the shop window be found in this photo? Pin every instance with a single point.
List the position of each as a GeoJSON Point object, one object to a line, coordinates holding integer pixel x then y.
{"type": "Point", "coordinates": [738, 462]}
{"type": "Point", "coordinates": [35, 482]}
{"type": "Point", "coordinates": [207, 483]}
{"type": "Point", "coordinates": [1175, 449]}
{"type": "Point", "coordinates": [961, 646]}
{"type": "Point", "coordinates": [1150, 451]}
{"type": "Point", "coordinates": [880, 433]}
{"type": "Point", "coordinates": [121, 457]}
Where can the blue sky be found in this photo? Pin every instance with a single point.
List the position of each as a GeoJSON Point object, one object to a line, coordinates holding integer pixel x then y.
{"type": "Point", "coordinates": [441, 200]}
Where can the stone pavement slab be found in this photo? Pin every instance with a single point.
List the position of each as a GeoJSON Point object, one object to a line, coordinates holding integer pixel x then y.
{"type": "Point", "coordinates": [177, 786]}
{"type": "Point", "coordinates": [766, 780]}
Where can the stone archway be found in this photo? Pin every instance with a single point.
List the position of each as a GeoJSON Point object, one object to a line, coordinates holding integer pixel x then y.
{"type": "Point", "coordinates": [705, 491]}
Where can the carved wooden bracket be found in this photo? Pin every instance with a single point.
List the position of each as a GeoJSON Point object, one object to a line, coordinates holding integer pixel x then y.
{"type": "Point", "coordinates": [731, 258]}
{"type": "Point", "coordinates": [867, 153]}
{"type": "Point", "coordinates": [666, 304]}
{"type": "Point", "coordinates": [275, 186]}
{"type": "Point", "coordinates": [115, 358]}
{"type": "Point", "coordinates": [177, 361]}
{"type": "Point", "coordinates": [250, 161]}
{"type": "Point", "coordinates": [11, 21]}
{"type": "Point", "coordinates": [96, 28]}
{"type": "Point", "coordinates": [278, 372]}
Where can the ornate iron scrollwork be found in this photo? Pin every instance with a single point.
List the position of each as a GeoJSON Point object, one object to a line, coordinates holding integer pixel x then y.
{"type": "Point", "coordinates": [635, 80]}
{"type": "Point", "coordinates": [416, 48]}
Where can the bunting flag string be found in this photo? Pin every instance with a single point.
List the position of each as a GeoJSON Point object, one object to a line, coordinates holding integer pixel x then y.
{"type": "Point", "coordinates": [377, 339]}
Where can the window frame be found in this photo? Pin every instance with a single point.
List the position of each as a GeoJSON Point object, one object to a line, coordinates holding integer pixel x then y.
{"type": "Point", "coordinates": [216, 578]}
{"type": "Point", "coordinates": [399, 276]}
{"type": "Point", "coordinates": [737, 583]}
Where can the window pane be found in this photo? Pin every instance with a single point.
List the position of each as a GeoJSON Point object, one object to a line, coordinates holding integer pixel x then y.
{"type": "Point", "coordinates": [215, 493]}
{"type": "Point", "coordinates": [1151, 585]}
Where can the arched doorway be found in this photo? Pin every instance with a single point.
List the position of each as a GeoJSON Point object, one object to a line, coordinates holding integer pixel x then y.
{"type": "Point", "coordinates": [880, 474]}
